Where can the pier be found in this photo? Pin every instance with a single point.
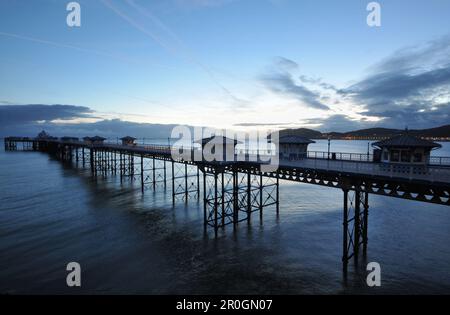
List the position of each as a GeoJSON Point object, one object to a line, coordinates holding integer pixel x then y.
{"type": "Point", "coordinates": [233, 192]}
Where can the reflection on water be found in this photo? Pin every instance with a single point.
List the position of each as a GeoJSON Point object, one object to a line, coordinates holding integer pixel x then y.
{"type": "Point", "coordinates": [126, 242]}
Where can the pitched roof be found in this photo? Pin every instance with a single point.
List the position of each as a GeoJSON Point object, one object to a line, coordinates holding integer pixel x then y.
{"type": "Point", "coordinates": [294, 140]}
{"type": "Point", "coordinates": [218, 140]}
{"type": "Point", "coordinates": [43, 135]}
{"type": "Point", "coordinates": [97, 138]}
{"type": "Point", "coordinates": [406, 140]}
{"type": "Point", "coordinates": [127, 138]}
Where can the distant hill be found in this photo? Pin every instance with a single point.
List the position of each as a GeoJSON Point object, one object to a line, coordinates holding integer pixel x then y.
{"type": "Point", "coordinates": [440, 133]}
{"type": "Point", "coordinates": [373, 132]}
{"type": "Point", "coordinates": [304, 132]}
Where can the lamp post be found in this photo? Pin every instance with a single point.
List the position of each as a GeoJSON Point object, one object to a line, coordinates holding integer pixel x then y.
{"type": "Point", "coordinates": [329, 139]}
{"type": "Point", "coordinates": [368, 151]}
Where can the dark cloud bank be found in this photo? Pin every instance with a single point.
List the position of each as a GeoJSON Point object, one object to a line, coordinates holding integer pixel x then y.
{"type": "Point", "coordinates": [409, 88]}
{"type": "Point", "coordinates": [412, 87]}
{"type": "Point", "coordinates": [28, 120]}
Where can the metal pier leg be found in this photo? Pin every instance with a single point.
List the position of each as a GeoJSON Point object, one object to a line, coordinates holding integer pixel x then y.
{"type": "Point", "coordinates": [103, 163]}
{"type": "Point", "coordinates": [165, 175]}
{"type": "Point", "coordinates": [91, 157]}
{"type": "Point", "coordinates": [198, 183]}
{"type": "Point", "coordinates": [108, 162]}
{"type": "Point", "coordinates": [115, 162]}
{"type": "Point", "coordinates": [366, 222]}
{"type": "Point", "coordinates": [260, 197]}
{"type": "Point", "coordinates": [345, 232]}
{"type": "Point", "coordinates": [82, 157]}
{"type": "Point", "coordinates": [142, 173]}
{"type": "Point", "coordinates": [235, 199]}
{"type": "Point", "coordinates": [357, 228]}
{"type": "Point", "coordinates": [278, 195]}
{"type": "Point", "coordinates": [173, 183]}
{"type": "Point", "coordinates": [355, 223]}
{"type": "Point", "coordinates": [131, 157]}
{"type": "Point", "coordinates": [215, 205]}
{"type": "Point", "coordinates": [223, 200]}
{"type": "Point", "coordinates": [153, 174]}
{"type": "Point", "coordinates": [205, 218]}
{"type": "Point", "coordinates": [121, 166]}
{"type": "Point", "coordinates": [186, 191]}
{"type": "Point", "coordinates": [249, 197]}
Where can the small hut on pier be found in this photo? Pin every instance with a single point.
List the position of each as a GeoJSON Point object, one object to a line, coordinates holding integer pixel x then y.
{"type": "Point", "coordinates": [94, 140]}
{"type": "Point", "coordinates": [293, 147]}
{"type": "Point", "coordinates": [128, 141]}
{"type": "Point", "coordinates": [44, 136]}
{"type": "Point", "coordinates": [212, 145]}
{"type": "Point", "coordinates": [404, 148]}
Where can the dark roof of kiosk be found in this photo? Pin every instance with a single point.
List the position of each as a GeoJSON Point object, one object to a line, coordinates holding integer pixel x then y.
{"type": "Point", "coordinates": [218, 140]}
{"type": "Point", "coordinates": [43, 135]}
{"type": "Point", "coordinates": [96, 138]}
{"type": "Point", "coordinates": [406, 140]}
{"type": "Point", "coordinates": [128, 138]}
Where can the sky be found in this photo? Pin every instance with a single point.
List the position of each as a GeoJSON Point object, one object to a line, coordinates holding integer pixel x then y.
{"type": "Point", "coordinates": [237, 64]}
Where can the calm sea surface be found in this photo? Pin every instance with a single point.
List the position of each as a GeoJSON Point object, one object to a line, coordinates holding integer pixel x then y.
{"type": "Point", "coordinates": [126, 242]}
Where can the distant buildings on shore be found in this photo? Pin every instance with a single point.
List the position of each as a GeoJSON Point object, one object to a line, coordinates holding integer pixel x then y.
{"type": "Point", "coordinates": [373, 137]}
{"type": "Point", "coordinates": [441, 133]}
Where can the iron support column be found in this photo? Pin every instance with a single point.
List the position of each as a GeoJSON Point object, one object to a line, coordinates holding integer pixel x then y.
{"type": "Point", "coordinates": [345, 231]}
{"type": "Point", "coordinates": [366, 222]}
{"type": "Point", "coordinates": [142, 173]}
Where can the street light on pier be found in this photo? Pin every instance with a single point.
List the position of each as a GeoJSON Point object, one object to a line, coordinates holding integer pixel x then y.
{"type": "Point", "coordinates": [329, 139]}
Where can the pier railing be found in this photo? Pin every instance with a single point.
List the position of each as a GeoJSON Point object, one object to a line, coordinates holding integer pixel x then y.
{"type": "Point", "coordinates": [418, 172]}
{"type": "Point", "coordinates": [440, 160]}
{"type": "Point", "coordinates": [242, 152]}
{"type": "Point", "coordinates": [362, 157]}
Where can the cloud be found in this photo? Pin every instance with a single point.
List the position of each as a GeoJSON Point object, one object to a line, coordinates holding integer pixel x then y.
{"type": "Point", "coordinates": [411, 87]}
{"type": "Point", "coordinates": [24, 114]}
{"type": "Point", "coordinates": [425, 55]}
{"type": "Point", "coordinates": [339, 123]}
{"type": "Point", "coordinates": [285, 64]}
{"type": "Point", "coordinates": [318, 82]}
{"type": "Point", "coordinates": [29, 120]}
{"type": "Point", "coordinates": [7, 103]}
{"type": "Point", "coordinates": [281, 81]}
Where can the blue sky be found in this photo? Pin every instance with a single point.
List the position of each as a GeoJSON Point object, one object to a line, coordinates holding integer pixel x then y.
{"type": "Point", "coordinates": [232, 63]}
